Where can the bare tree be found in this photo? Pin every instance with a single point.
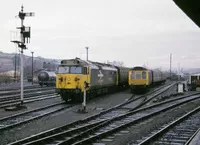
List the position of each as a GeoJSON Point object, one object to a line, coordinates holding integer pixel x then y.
{"type": "Point", "coordinates": [116, 63]}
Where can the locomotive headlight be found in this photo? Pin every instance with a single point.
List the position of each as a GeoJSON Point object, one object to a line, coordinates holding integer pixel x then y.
{"type": "Point", "coordinates": [68, 79]}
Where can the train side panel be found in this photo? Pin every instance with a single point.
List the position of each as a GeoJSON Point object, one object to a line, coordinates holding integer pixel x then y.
{"type": "Point", "coordinates": [158, 77]}
{"type": "Point", "coordinates": [122, 76]}
{"type": "Point", "coordinates": [150, 77]}
{"type": "Point", "coordinates": [103, 78]}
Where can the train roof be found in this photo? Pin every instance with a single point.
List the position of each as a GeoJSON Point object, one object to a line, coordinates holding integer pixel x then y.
{"type": "Point", "coordinates": [91, 64]}
{"type": "Point", "coordinates": [196, 74]}
{"type": "Point", "coordinates": [78, 61]}
{"type": "Point", "coordinates": [138, 68]}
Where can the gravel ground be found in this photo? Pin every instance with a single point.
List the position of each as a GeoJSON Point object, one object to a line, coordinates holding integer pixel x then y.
{"type": "Point", "coordinates": [63, 117]}
{"type": "Point", "coordinates": [31, 106]}
{"type": "Point", "coordinates": [138, 132]}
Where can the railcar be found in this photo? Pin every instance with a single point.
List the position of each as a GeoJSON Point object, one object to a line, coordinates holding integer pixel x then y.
{"type": "Point", "coordinates": [102, 78]}
{"type": "Point", "coordinates": [122, 76]}
{"type": "Point", "coordinates": [141, 79]}
{"type": "Point", "coordinates": [47, 78]}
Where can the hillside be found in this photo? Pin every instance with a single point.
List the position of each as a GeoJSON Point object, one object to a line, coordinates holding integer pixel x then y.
{"type": "Point", "coordinates": [7, 63]}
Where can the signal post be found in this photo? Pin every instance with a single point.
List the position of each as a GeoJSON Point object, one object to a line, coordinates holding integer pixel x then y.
{"type": "Point", "coordinates": [25, 35]}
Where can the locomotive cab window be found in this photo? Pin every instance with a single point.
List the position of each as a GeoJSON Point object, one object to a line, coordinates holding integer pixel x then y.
{"type": "Point", "coordinates": [144, 75]}
{"type": "Point", "coordinates": [75, 70]}
{"type": "Point", "coordinates": [85, 70]}
{"type": "Point", "coordinates": [70, 70]}
{"type": "Point", "coordinates": [63, 69]}
{"type": "Point", "coordinates": [132, 75]}
{"type": "Point", "coordinates": [138, 75]}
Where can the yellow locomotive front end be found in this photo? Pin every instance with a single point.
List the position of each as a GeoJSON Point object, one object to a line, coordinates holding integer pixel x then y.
{"type": "Point", "coordinates": [70, 78]}
{"type": "Point", "coordinates": [139, 79]}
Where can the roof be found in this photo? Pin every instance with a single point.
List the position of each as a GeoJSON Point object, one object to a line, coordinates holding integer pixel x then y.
{"type": "Point", "coordinates": [91, 64]}
{"type": "Point", "coordinates": [191, 8]}
{"type": "Point", "coordinates": [138, 68]}
{"type": "Point", "coordinates": [197, 74]}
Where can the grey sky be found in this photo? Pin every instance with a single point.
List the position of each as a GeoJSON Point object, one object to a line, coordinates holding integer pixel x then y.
{"type": "Point", "coordinates": [136, 32]}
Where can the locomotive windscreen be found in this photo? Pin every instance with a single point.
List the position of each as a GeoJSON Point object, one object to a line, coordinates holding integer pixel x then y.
{"type": "Point", "coordinates": [70, 70]}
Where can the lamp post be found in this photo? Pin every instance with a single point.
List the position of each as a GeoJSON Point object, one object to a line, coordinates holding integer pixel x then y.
{"type": "Point", "coordinates": [15, 68]}
{"type": "Point", "coordinates": [87, 53]}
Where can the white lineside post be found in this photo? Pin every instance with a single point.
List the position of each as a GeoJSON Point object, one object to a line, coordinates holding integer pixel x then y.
{"type": "Point", "coordinates": [22, 75]}
{"type": "Point", "coordinates": [24, 34]}
{"type": "Point", "coordinates": [32, 67]}
{"type": "Point", "coordinates": [22, 61]}
{"type": "Point", "coordinates": [170, 66]}
{"type": "Point", "coordinates": [84, 97]}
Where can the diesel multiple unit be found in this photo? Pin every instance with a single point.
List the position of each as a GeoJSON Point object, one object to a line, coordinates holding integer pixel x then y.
{"type": "Point", "coordinates": [101, 78]}
{"type": "Point", "coordinates": [140, 78]}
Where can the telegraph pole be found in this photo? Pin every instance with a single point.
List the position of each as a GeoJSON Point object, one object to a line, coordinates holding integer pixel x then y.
{"type": "Point", "coordinates": [15, 68]}
{"type": "Point", "coordinates": [87, 53]}
{"type": "Point", "coordinates": [170, 65]}
{"type": "Point", "coordinates": [32, 67]}
{"type": "Point", "coordinates": [25, 34]}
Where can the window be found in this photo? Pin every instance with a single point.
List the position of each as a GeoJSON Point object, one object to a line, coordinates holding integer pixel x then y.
{"type": "Point", "coordinates": [75, 70]}
{"type": "Point", "coordinates": [144, 75]}
{"type": "Point", "coordinates": [70, 69]}
{"type": "Point", "coordinates": [85, 70]}
{"type": "Point", "coordinates": [132, 75]}
{"type": "Point", "coordinates": [138, 75]}
{"type": "Point", "coordinates": [63, 69]}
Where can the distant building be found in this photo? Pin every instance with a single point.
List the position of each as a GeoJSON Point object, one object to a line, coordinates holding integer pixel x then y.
{"type": "Point", "coordinates": [9, 76]}
{"type": "Point", "coordinates": [10, 73]}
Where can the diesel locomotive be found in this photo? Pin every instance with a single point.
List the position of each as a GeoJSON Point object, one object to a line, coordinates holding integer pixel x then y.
{"type": "Point", "coordinates": [101, 78]}
{"type": "Point", "coordinates": [141, 79]}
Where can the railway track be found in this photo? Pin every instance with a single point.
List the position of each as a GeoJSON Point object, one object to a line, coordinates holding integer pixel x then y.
{"type": "Point", "coordinates": [105, 129]}
{"type": "Point", "coordinates": [36, 94]}
{"type": "Point", "coordinates": [142, 100]}
{"type": "Point", "coordinates": [27, 90]}
{"type": "Point", "coordinates": [80, 126]}
{"type": "Point", "coordinates": [26, 95]}
{"type": "Point", "coordinates": [27, 116]}
{"type": "Point", "coordinates": [180, 131]}
{"type": "Point", "coordinates": [8, 87]}
{"type": "Point", "coordinates": [28, 100]}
